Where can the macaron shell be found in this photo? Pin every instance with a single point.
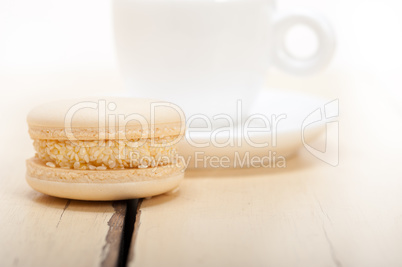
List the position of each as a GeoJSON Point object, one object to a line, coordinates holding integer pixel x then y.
{"type": "Point", "coordinates": [91, 112]}
{"type": "Point", "coordinates": [89, 134]}
{"type": "Point", "coordinates": [104, 192]}
{"type": "Point", "coordinates": [102, 185]}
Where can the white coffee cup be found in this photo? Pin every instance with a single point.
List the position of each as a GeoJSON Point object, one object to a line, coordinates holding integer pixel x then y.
{"type": "Point", "coordinates": [204, 55]}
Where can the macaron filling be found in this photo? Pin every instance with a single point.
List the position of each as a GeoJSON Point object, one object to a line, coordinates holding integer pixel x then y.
{"type": "Point", "coordinates": [106, 154]}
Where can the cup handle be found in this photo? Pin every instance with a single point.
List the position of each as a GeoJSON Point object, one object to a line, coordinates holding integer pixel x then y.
{"type": "Point", "coordinates": [325, 35]}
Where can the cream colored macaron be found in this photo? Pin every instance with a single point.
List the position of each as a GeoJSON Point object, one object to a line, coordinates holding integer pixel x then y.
{"type": "Point", "coordinates": [105, 148]}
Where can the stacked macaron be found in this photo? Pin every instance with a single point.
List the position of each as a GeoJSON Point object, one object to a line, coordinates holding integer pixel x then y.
{"type": "Point", "coordinates": [105, 148]}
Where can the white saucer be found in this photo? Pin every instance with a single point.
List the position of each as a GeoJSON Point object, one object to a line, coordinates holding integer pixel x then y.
{"type": "Point", "coordinates": [296, 124]}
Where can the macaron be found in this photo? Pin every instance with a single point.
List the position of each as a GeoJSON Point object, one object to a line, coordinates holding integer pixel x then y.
{"type": "Point", "coordinates": [105, 148]}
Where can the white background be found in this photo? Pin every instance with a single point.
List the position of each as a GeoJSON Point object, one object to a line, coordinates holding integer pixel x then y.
{"type": "Point", "coordinates": [45, 36]}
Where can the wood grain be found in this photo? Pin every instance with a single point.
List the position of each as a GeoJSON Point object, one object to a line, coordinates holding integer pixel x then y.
{"type": "Point", "coordinates": [38, 230]}
{"type": "Point", "coordinates": [308, 214]}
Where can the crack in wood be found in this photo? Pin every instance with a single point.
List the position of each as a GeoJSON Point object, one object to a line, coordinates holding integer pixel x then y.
{"type": "Point", "coordinates": [331, 248]}
{"type": "Point", "coordinates": [62, 213]}
{"type": "Point", "coordinates": [111, 251]}
{"type": "Point", "coordinates": [137, 224]}
{"type": "Point", "coordinates": [116, 250]}
{"type": "Point", "coordinates": [334, 257]}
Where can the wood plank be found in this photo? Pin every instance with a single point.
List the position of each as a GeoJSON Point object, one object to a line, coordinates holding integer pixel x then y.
{"type": "Point", "coordinates": [38, 230]}
{"type": "Point", "coordinates": [309, 214]}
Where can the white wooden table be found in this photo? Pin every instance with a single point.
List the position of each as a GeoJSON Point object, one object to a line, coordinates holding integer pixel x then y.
{"type": "Point", "coordinates": [38, 230]}
{"type": "Point", "coordinates": [308, 214]}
